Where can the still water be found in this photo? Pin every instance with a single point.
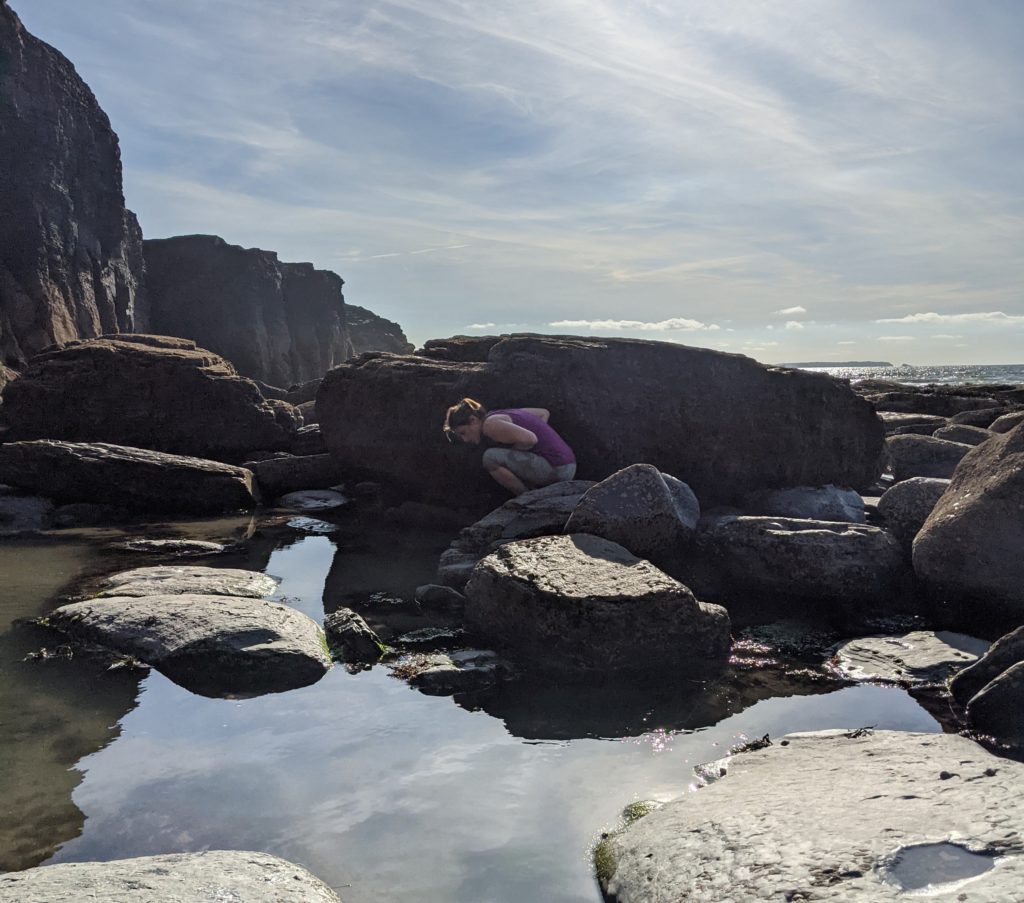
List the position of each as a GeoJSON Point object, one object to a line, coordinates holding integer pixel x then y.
{"type": "Point", "coordinates": [383, 792]}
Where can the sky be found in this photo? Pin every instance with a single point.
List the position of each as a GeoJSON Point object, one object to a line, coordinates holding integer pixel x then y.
{"type": "Point", "coordinates": [799, 180]}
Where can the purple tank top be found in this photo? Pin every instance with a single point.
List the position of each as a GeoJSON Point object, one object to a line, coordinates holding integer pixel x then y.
{"type": "Point", "coordinates": [550, 446]}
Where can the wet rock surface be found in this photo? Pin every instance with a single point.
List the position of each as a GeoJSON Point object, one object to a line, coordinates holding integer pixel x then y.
{"type": "Point", "coordinates": [921, 657]}
{"type": "Point", "coordinates": [133, 478]}
{"type": "Point", "coordinates": [648, 512]}
{"type": "Point", "coordinates": [578, 601]}
{"type": "Point", "coordinates": [763, 832]}
{"type": "Point", "coordinates": [758, 427]}
{"type": "Point", "coordinates": [214, 645]}
{"type": "Point", "coordinates": [176, 878]}
{"type": "Point", "coordinates": [151, 392]}
{"type": "Point", "coordinates": [175, 579]}
{"type": "Point", "coordinates": [465, 671]}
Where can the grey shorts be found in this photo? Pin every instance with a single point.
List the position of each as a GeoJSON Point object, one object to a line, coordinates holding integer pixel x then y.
{"type": "Point", "coordinates": [532, 469]}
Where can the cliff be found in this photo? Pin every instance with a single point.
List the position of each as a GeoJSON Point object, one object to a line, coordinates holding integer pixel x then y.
{"type": "Point", "coordinates": [369, 332]}
{"type": "Point", "coordinates": [281, 323]}
{"type": "Point", "coordinates": [70, 253]}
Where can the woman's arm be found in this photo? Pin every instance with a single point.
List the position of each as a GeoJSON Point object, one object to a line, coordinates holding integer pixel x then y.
{"type": "Point", "coordinates": [543, 413]}
{"type": "Point", "coordinates": [507, 433]}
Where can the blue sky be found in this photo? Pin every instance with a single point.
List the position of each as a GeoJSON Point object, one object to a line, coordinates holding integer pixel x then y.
{"type": "Point", "coordinates": [796, 180]}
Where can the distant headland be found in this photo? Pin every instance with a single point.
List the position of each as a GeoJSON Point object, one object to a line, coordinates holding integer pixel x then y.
{"type": "Point", "coordinates": [838, 364]}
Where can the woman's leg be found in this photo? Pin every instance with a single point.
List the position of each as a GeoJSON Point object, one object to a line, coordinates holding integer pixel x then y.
{"type": "Point", "coordinates": [518, 471]}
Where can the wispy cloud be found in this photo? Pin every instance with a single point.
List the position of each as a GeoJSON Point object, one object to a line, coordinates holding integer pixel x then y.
{"type": "Point", "coordinates": [477, 326]}
{"type": "Point", "coordinates": [791, 311]}
{"type": "Point", "coordinates": [673, 325]}
{"type": "Point", "coordinates": [897, 338]}
{"type": "Point", "coordinates": [794, 324]}
{"type": "Point", "coordinates": [996, 316]}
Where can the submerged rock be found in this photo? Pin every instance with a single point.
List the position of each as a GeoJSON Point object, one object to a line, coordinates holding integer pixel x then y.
{"type": "Point", "coordinates": [831, 816]}
{"type": "Point", "coordinates": [648, 512]}
{"type": "Point", "coordinates": [919, 658]}
{"type": "Point", "coordinates": [167, 580]}
{"type": "Point", "coordinates": [211, 875]}
{"type": "Point", "coordinates": [211, 645]}
{"type": "Point", "coordinates": [132, 478]}
{"type": "Point", "coordinates": [468, 671]}
{"type": "Point", "coordinates": [578, 601]}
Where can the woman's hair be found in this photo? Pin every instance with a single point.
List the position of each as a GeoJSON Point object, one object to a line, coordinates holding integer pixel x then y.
{"type": "Point", "coordinates": [461, 413]}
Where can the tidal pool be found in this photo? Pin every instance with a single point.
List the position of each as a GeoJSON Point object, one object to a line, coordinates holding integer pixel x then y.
{"type": "Point", "coordinates": [383, 792]}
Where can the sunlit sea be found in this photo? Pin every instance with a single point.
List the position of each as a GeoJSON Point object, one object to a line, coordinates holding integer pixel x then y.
{"type": "Point", "coordinates": [941, 374]}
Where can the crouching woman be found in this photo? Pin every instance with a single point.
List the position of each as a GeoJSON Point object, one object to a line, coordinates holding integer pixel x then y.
{"type": "Point", "coordinates": [524, 451]}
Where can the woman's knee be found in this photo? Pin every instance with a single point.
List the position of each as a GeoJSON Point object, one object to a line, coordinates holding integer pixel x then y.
{"type": "Point", "coordinates": [493, 459]}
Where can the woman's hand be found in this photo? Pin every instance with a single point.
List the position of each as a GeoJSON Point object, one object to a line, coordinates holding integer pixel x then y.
{"type": "Point", "coordinates": [507, 433]}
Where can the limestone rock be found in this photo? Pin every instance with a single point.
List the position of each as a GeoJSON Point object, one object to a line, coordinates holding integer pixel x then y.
{"type": "Point", "coordinates": [579, 601]}
{"type": "Point", "coordinates": [827, 817]}
{"type": "Point", "coordinates": [648, 512]}
{"type": "Point", "coordinates": [918, 658]}
{"type": "Point", "coordinates": [959, 432]}
{"type": "Point", "coordinates": [1004, 653]}
{"type": "Point", "coordinates": [842, 571]}
{"type": "Point", "coordinates": [832, 503]}
{"type": "Point", "coordinates": [282, 323]}
{"type": "Point", "coordinates": [923, 456]}
{"type": "Point", "coordinates": [175, 878]}
{"type": "Point", "coordinates": [130, 477]}
{"type": "Point", "coordinates": [170, 580]}
{"type": "Point", "coordinates": [152, 392]}
{"type": "Point", "coordinates": [970, 546]}
{"type": "Point", "coordinates": [352, 637]}
{"type": "Point", "coordinates": [70, 253]}
{"type": "Point", "coordinates": [212, 645]}
{"type": "Point", "coordinates": [905, 506]}
{"type": "Point", "coordinates": [726, 425]}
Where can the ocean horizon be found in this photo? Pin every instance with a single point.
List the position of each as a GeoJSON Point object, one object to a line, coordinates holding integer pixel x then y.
{"type": "Point", "coordinates": [928, 374]}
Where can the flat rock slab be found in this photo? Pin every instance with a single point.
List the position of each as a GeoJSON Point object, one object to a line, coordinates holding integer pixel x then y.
{"type": "Point", "coordinates": [212, 645]}
{"type": "Point", "coordinates": [916, 658]}
{"type": "Point", "coordinates": [581, 602]}
{"type": "Point", "coordinates": [134, 478]}
{"type": "Point", "coordinates": [822, 818]}
{"type": "Point", "coordinates": [312, 500]}
{"type": "Point", "coordinates": [229, 875]}
{"type": "Point", "coordinates": [165, 580]}
{"type": "Point", "coordinates": [177, 547]}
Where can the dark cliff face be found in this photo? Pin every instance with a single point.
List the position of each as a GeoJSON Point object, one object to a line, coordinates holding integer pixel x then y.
{"type": "Point", "coordinates": [281, 323]}
{"type": "Point", "coordinates": [70, 253]}
{"type": "Point", "coordinates": [369, 332]}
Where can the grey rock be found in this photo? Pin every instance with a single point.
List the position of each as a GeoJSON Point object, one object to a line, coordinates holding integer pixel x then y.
{"type": "Point", "coordinates": [85, 514]}
{"type": "Point", "coordinates": [969, 549]}
{"type": "Point", "coordinates": [177, 547]}
{"type": "Point", "coordinates": [304, 392]}
{"type": "Point", "coordinates": [923, 456]}
{"type": "Point", "coordinates": [313, 500]}
{"type": "Point", "coordinates": [1005, 652]}
{"type": "Point", "coordinates": [164, 580]}
{"type": "Point", "coordinates": [308, 441]}
{"type": "Point", "coordinates": [831, 503]}
{"type": "Point", "coordinates": [1007, 422]}
{"type": "Point", "coordinates": [905, 506]}
{"type": "Point", "coordinates": [581, 602]}
{"type": "Point", "coordinates": [455, 568]}
{"type": "Point", "coordinates": [919, 658]}
{"type": "Point", "coordinates": [278, 476]}
{"type": "Point", "coordinates": [435, 597]}
{"type": "Point", "coordinates": [132, 478]}
{"type": "Point", "coordinates": [648, 512]}
{"type": "Point", "coordinates": [212, 645]}
{"type": "Point", "coordinates": [371, 332]}
{"type": "Point", "coordinates": [846, 570]}
{"type": "Point", "coordinates": [998, 708]}
{"type": "Point", "coordinates": [468, 671]}
{"type": "Point", "coordinates": [351, 637]}
{"type": "Point", "coordinates": [312, 525]}
{"type": "Point", "coordinates": [981, 418]}
{"type": "Point", "coordinates": [233, 875]}
{"type": "Point", "coordinates": [960, 432]}
{"type": "Point", "coordinates": [24, 514]}
{"type": "Point", "coordinates": [308, 411]}
{"type": "Point", "coordinates": [939, 402]}
{"type": "Point", "coordinates": [819, 816]}
{"type": "Point", "coordinates": [897, 422]}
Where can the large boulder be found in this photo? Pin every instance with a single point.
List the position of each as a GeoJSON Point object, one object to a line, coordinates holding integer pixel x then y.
{"type": "Point", "coordinates": [648, 512]}
{"type": "Point", "coordinates": [722, 423]}
{"type": "Point", "coordinates": [1004, 653]}
{"type": "Point", "coordinates": [1007, 422]}
{"type": "Point", "coordinates": [211, 644]}
{"type": "Point", "coordinates": [969, 549]}
{"type": "Point", "coordinates": [833, 571]}
{"type": "Point", "coordinates": [209, 875]}
{"type": "Point", "coordinates": [961, 432]}
{"type": "Point", "coordinates": [277, 476]}
{"type": "Point", "coordinates": [997, 709]}
{"type": "Point", "coordinates": [905, 506]}
{"type": "Point", "coordinates": [148, 392]}
{"type": "Point", "coordinates": [923, 456]}
{"type": "Point", "coordinates": [282, 323]}
{"type": "Point", "coordinates": [854, 816]}
{"type": "Point", "coordinates": [132, 478]}
{"type": "Point", "coordinates": [70, 253]}
{"type": "Point", "coordinates": [578, 601]}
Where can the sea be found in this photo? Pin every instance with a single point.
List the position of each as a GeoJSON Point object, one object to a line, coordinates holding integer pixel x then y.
{"type": "Point", "coordinates": [931, 374]}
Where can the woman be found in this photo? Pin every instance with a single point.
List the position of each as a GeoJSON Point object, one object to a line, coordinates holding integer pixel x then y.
{"type": "Point", "coordinates": [527, 454]}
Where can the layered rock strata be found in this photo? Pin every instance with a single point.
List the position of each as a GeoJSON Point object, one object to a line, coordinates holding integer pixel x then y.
{"type": "Point", "coordinates": [70, 253]}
